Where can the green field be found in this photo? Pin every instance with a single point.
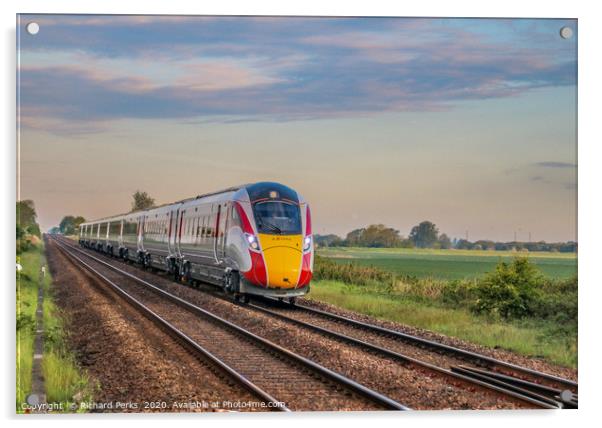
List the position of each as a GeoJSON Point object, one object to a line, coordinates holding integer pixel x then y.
{"type": "Point", "coordinates": [449, 264]}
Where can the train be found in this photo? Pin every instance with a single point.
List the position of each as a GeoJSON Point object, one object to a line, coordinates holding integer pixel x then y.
{"type": "Point", "coordinates": [251, 240]}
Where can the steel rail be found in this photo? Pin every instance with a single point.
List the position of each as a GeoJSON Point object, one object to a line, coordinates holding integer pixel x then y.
{"type": "Point", "coordinates": [478, 359]}
{"type": "Point", "coordinates": [179, 336]}
{"type": "Point", "coordinates": [571, 398]}
{"type": "Point", "coordinates": [509, 385]}
{"type": "Point", "coordinates": [499, 388]}
{"type": "Point", "coordinates": [333, 376]}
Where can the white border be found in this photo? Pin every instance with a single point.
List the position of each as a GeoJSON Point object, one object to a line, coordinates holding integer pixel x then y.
{"type": "Point", "coordinates": [589, 194]}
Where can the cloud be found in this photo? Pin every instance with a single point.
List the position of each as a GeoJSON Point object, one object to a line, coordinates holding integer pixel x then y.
{"type": "Point", "coordinates": [97, 68]}
{"type": "Point", "coordinates": [554, 164]}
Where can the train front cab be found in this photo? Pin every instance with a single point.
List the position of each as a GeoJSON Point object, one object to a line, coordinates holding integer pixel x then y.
{"type": "Point", "coordinates": [280, 244]}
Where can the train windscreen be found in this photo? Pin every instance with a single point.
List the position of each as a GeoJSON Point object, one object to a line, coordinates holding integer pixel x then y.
{"type": "Point", "coordinates": [277, 217]}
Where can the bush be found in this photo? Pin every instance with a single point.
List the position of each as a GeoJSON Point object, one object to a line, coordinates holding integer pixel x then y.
{"type": "Point", "coordinates": [26, 323]}
{"type": "Point", "coordinates": [510, 291]}
{"type": "Point", "coordinates": [513, 290]}
{"type": "Point", "coordinates": [558, 302]}
{"type": "Point", "coordinates": [459, 292]}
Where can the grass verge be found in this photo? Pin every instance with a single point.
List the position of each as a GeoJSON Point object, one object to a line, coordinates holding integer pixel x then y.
{"type": "Point", "coordinates": [27, 297]}
{"type": "Point", "coordinates": [527, 337]}
{"type": "Point", "coordinates": [65, 382]}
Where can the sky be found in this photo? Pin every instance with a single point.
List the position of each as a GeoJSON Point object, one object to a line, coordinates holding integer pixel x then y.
{"type": "Point", "coordinates": [469, 123]}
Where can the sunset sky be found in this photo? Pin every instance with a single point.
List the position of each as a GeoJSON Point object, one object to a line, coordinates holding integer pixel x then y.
{"type": "Point", "coordinates": [469, 123]}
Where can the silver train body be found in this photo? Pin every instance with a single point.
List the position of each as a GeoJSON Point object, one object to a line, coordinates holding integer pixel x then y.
{"type": "Point", "coordinates": [254, 239]}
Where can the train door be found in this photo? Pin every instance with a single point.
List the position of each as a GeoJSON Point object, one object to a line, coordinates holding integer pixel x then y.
{"type": "Point", "coordinates": [171, 232]}
{"type": "Point", "coordinates": [179, 231]}
{"type": "Point", "coordinates": [120, 238]}
{"type": "Point", "coordinates": [225, 225]}
{"type": "Point", "coordinates": [216, 235]}
{"type": "Point", "coordinates": [141, 233]}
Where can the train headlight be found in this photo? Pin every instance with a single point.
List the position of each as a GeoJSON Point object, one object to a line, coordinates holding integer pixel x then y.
{"type": "Point", "coordinates": [253, 242]}
{"type": "Point", "coordinates": [307, 243]}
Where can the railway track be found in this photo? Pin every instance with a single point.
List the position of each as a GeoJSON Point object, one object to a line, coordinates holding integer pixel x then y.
{"type": "Point", "coordinates": [469, 356]}
{"type": "Point", "coordinates": [270, 372]}
{"type": "Point", "coordinates": [536, 388]}
{"type": "Point", "coordinates": [520, 382]}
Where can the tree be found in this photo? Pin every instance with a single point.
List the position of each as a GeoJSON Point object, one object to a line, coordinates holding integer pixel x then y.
{"type": "Point", "coordinates": [375, 235]}
{"type": "Point", "coordinates": [26, 218]}
{"type": "Point", "coordinates": [378, 235]}
{"type": "Point", "coordinates": [69, 224]}
{"type": "Point", "coordinates": [444, 241]}
{"type": "Point", "coordinates": [424, 235]}
{"type": "Point", "coordinates": [463, 244]}
{"type": "Point", "coordinates": [142, 201]}
{"type": "Point", "coordinates": [27, 227]}
{"type": "Point", "coordinates": [354, 237]}
{"type": "Point", "coordinates": [330, 240]}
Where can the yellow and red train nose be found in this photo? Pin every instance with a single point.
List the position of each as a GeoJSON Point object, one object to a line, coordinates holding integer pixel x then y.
{"type": "Point", "coordinates": [282, 255]}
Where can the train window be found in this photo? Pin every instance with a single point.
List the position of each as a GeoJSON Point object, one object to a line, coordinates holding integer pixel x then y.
{"type": "Point", "coordinates": [114, 228]}
{"type": "Point", "coordinates": [277, 217]}
{"type": "Point", "coordinates": [130, 228]}
{"type": "Point", "coordinates": [208, 228]}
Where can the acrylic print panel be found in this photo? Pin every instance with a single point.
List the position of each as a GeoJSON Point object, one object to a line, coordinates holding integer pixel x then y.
{"type": "Point", "coordinates": [293, 213]}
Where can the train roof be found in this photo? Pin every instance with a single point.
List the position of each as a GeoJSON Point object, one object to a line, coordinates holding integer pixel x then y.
{"type": "Point", "coordinates": [255, 188]}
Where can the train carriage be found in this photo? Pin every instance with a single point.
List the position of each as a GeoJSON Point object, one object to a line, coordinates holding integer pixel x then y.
{"type": "Point", "coordinates": [254, 239]}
